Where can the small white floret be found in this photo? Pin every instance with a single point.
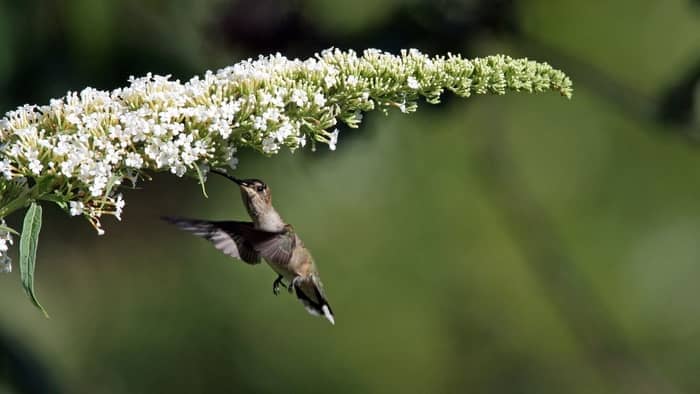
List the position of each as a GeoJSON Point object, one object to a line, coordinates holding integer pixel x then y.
{"type": "Point", "coordinates": [333, 139]}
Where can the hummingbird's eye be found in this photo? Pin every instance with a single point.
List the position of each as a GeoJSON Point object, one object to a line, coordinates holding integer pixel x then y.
{"type": "Point", "coordinates": [260, 188]}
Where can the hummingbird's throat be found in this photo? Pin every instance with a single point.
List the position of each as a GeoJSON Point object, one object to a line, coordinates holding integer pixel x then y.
{"type": "Point", "coordinates": [266, 219]}
{"type": "Point", "coordinates": [263, 214]}
{"type": "Point", "coordinates": [269, 220]}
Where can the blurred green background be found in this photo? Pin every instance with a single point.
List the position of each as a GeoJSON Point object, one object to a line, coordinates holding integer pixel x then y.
{"type": "Point", "coordinates": [516, 244]}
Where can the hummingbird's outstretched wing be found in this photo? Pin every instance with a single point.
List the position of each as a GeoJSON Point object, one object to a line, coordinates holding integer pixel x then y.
{"type": "Point", "coordinates": [232, 238]}
{"type": "Point", "coordinates": [241, 240]}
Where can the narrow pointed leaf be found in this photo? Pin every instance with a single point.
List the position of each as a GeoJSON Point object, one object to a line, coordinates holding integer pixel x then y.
{"type": "Point", "coordinates": [201, 180]}
{"type": "Point", "coordinates": [8, 229]}
{"type": "Point", "coordinates": [28, 243]}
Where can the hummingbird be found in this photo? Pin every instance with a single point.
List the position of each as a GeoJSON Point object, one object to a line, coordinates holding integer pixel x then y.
{"type": "Point", "coordinates": [266, 237]}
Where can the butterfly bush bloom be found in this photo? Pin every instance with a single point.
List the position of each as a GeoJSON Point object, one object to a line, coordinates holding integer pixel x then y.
{"type": "Point", "coordinates": [78, 150]}
{"type": "Point", "coordinates": [5, 242]}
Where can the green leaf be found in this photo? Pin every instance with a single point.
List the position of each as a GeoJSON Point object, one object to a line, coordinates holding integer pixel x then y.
{"type": "Point", "coordinates": [28, 243]}
{"type": "Point", "coordinates": [8, 229]}
{"type": "Point", "coordinates": [58, 200]}
{"type": "Point", "coordinates": [201, 180]}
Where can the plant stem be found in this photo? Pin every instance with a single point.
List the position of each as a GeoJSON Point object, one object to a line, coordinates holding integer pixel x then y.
{"type": "Point", "coordinates": [19, 202]}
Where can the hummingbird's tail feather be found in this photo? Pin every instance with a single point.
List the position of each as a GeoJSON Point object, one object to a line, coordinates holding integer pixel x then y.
{"type": "Point", "coordinates": [309, 291]}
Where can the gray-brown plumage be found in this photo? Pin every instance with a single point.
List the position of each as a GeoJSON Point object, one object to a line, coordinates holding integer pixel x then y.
{"type": "Point", "coordinates": [267, 238]}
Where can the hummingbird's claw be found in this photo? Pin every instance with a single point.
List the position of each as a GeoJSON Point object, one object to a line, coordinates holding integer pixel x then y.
{"type": "Point", "coordinates": [276, 285]}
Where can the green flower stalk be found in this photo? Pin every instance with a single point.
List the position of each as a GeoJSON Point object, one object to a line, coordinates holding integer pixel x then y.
{"type": "Point", "coordinates": [78, 150]}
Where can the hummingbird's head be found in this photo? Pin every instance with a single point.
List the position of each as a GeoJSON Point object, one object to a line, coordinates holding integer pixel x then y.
{"type": "Point", "coordinates": [257, 199]}
{"type": "Point", "coordinates": [256, 194]}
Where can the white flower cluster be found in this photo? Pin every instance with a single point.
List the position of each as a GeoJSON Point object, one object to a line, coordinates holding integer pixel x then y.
{"type": "Point", "coordinates": [5, 242]}
{"type": "Point", "coordinates": [77, 150]}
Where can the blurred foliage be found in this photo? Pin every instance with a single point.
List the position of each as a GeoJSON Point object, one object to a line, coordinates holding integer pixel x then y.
{"type": "Point", "coordinates": [513, 244]}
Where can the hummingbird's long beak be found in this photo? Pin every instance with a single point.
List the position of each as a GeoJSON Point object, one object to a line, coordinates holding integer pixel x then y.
{"type": "Point", "coordinates": [229, 177]}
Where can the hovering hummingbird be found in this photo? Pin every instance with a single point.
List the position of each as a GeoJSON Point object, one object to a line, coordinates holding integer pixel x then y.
{"type": "Point", "coordinates": [267, 237]}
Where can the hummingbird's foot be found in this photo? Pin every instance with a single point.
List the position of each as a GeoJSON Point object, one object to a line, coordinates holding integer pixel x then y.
{"type": "Point", "coordinates": [277, 284]}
